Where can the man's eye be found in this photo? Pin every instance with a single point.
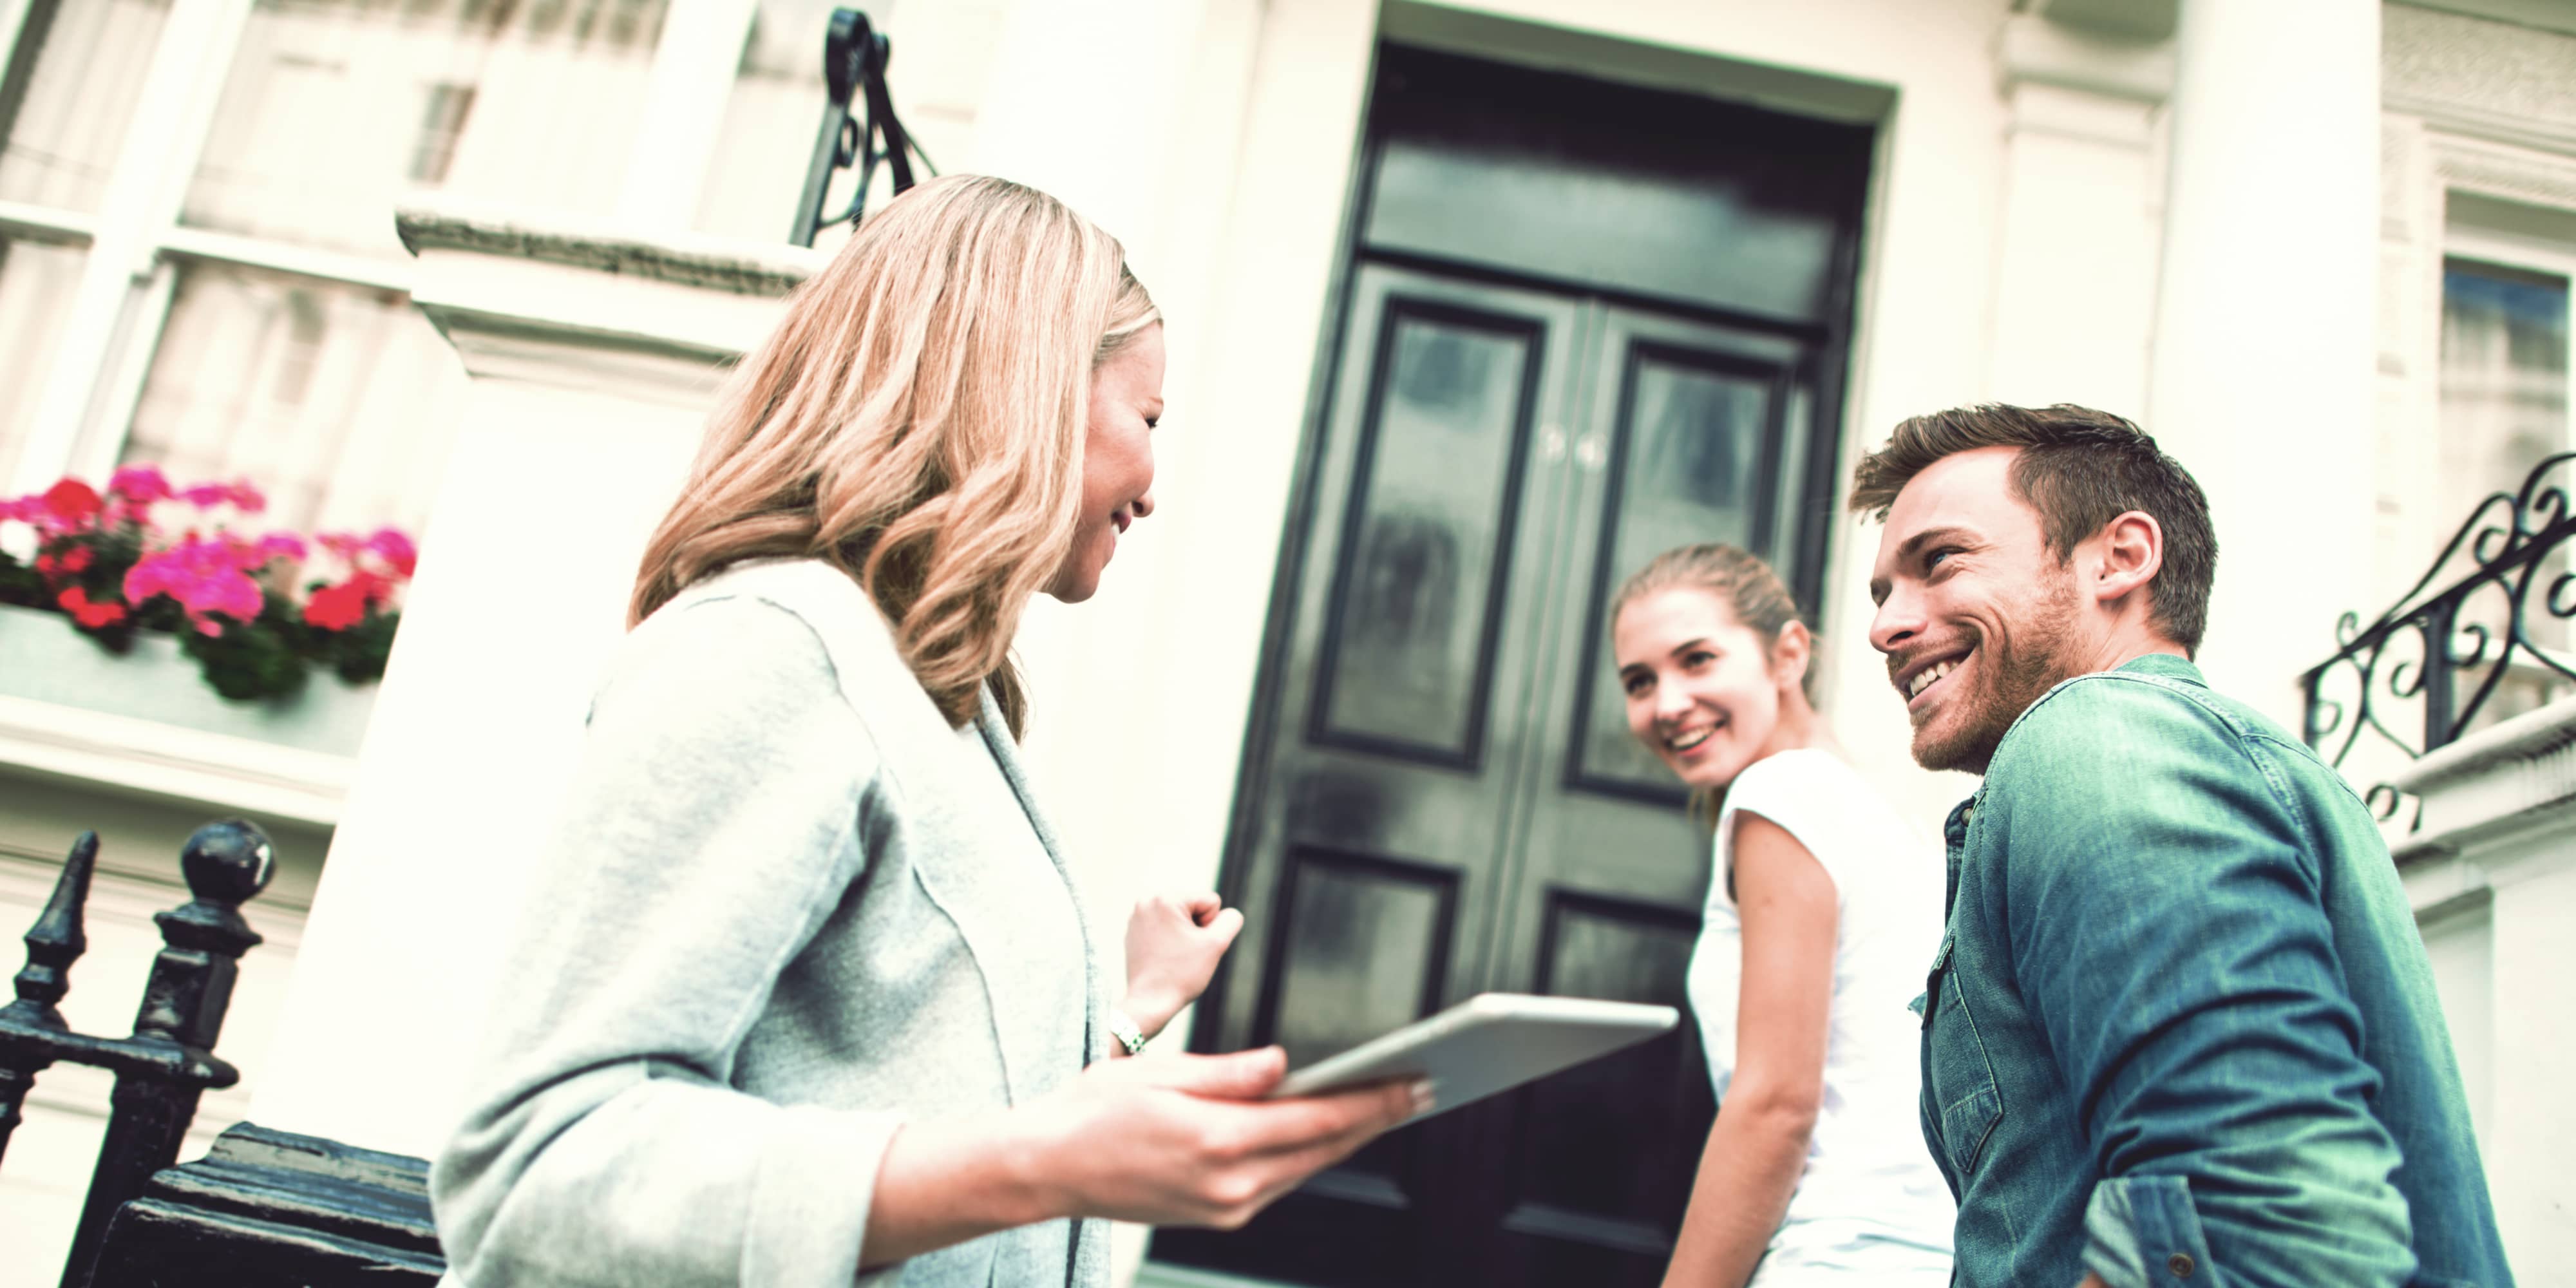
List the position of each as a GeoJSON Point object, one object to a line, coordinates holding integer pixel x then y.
{"type": "Point", "coordinates": [1698, 658]}
{"type": "Point", "coordinates": [1933, 560]}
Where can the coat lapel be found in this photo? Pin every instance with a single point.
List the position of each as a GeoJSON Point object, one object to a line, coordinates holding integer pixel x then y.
{"type": "Point", "coordinates": [1006, 753]}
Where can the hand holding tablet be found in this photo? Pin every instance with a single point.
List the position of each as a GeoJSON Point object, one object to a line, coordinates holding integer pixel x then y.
{"type": "Point", "coordinates": [1489, 1043]}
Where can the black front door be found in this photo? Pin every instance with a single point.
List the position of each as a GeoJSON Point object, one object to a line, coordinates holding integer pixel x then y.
{"type": "Point", "coordinates": [1441, 797]}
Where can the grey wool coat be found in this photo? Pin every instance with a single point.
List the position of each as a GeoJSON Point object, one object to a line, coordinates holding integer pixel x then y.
{"type": "Point", "coordinates": [788, 909]}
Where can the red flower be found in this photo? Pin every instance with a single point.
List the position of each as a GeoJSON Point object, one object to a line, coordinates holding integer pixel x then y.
{"type": "Point", "coordinates": [71, 500]}
{"type": "Point", "coordinates": [76, 560]}
{"type": "Point", "coordinates": [337, 608]}
{"type": "Point", "coordinates": [76, 602]}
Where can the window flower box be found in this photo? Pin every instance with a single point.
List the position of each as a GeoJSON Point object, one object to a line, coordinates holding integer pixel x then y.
{"type": "Point", "coordinates": [44, 659]}
{"type": "Point", "coordinates": [148, 641]}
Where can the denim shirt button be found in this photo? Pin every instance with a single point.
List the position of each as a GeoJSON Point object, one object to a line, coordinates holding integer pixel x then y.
{"type": "Point", "coordinates": [2180, 1264]}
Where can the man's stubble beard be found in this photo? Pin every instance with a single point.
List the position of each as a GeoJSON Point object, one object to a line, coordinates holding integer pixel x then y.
{"type": "Point", "coordinates": [2013, 674]}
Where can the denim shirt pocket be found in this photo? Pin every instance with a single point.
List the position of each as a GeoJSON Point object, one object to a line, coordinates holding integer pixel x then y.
{"type": "Point", "coordinates": [1959, 1088]}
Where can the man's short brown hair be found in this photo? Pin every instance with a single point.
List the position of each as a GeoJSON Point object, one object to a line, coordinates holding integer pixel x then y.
{"type": "Point", "coordinates": [2080, 469]}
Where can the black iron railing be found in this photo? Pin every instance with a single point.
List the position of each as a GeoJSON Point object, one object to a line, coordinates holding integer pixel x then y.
{"type": "Point", "coordinates": [169, 1060]}
{"type": "Point", "coordinates": [855, 54]}
{"type": "Point", "coordinates": [2421, 674]}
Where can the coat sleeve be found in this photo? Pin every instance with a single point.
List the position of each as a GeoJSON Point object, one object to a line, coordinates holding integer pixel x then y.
{"type": "Point", "coordinates": [714, 823]}
{"type": "Point", "coordinates": [2167, 922]}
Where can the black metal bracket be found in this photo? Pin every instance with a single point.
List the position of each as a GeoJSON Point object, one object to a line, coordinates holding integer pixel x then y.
{"type": "Point", "coordinates": [855, 54]}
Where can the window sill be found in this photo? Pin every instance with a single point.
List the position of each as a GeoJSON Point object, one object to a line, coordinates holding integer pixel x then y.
{"type": "Point", "coordinates": [149, 758]}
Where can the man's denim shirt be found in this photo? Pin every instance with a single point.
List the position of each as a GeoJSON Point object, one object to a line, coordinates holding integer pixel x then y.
{"type": "Point", "coordinates": [2181, 1027]}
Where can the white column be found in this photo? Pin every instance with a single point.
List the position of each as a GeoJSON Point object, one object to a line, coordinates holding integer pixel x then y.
{"type": "Point", "coordinates": [1223, 173]}
{"type": "Point", "coordinates": [2534, 1042]}
{"type": "Point", "coordinates": [2263, 361]}
{"type": "Point", "coordinates": [592, 361]}
{"type": "Point", "coordinates": [2075, 295]}
{"type": "Point", "coordinates": [684, 111]}
{"type": "Point", "coordinates": [1153, 162]}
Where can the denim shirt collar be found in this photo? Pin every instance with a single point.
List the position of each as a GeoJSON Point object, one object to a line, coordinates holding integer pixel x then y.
{"type": "Point", "coordinates": [1954, 831]}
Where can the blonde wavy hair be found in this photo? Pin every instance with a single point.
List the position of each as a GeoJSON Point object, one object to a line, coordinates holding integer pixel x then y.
{"type": "Point", "coordinates": [918, 420]}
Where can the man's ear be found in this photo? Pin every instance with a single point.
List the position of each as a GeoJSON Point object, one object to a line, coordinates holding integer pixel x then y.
{"type": "Point", "coordinates": [1791, 650]}
{"type": "Point", "coordinates": [2132, 549]}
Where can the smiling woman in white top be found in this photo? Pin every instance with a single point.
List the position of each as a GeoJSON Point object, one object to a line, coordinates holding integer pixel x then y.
{"type": "Point", "coordinates": [1824, 909]}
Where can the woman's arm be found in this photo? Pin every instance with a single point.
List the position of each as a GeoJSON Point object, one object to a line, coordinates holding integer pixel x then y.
{"type": "Point", "coordinates": [1164, 1141]}
{"type": "Point", "coordinates": [711, 829]}
{"type": "Point", "coordinates": [1758, 1148]}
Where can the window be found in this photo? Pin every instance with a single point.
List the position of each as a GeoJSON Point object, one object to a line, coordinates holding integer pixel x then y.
{"type": "Point", "coordinates": [439, 127]}
{"type": "Point", "coordinates": [63, 137]}
{"type": "Point", "coordinates": [335, 399]}
{"type": "Point", "coordinates": [335, 108]}
{"type": "Point", "coordinates": [200, 267]}
{"type": "Point", "coordinates": [2504, 405]}
{"type": "Point", "coordinates": [35, 287]}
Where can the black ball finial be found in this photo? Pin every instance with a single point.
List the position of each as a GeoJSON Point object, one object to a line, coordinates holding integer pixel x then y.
{"type": "Point", "coordinates": [228, 861]}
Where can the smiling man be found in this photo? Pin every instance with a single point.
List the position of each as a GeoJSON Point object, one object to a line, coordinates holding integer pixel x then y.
{"type": "Point", "coordinates": [2180, 1028]}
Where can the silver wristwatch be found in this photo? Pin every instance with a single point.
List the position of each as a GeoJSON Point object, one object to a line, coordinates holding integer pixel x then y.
{"type": "Point", "coordinates": [1125, 1030]}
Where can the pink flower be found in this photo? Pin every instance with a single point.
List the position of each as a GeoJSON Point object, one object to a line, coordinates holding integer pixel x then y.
{"type": "Point", "coordinates": [273, 547]}
{"type": "Point", "coordinates": [390, 545]}
{"type": "Point", "coordinates": [140, 484]}
{"type": "Point", "coordinates": [204, 576]}
{"type": "Point", "coordinates": [240, 496]}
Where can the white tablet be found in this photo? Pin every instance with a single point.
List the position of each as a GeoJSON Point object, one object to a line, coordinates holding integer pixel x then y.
{"type": "Point", "coordinates": [1491, 1042]}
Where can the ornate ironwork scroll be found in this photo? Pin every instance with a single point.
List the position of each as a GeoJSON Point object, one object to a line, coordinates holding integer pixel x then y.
{"type": "Point", "coordinates": [2441, 652]}
{"type": "Point", "coordinates": [855, 54]}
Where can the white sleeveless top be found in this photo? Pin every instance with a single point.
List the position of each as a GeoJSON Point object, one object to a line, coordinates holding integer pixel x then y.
{"type": "Point", "coordinates": [1871, 1207]}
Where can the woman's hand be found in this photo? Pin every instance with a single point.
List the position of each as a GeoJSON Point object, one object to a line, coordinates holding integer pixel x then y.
{"type": "Point", "coordinates": [1173, 943]}
{"type": "Point", "coordinates": [1169, 1140]}
{"type": "Point", "coordinates": [1182, 1140]}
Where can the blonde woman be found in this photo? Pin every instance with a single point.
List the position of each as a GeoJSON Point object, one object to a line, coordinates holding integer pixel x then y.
{"type": "Point", "coordinates": [806, 996]}
{"type": "Point", "coordinates": [1823, 909]}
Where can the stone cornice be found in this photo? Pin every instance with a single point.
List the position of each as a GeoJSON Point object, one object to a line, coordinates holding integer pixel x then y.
{"type": "Point", "coordinates": [2036, 50]}
{"type": "Point", "coordinates": [2493, 783]}
{"type": "Point", "coordinates": [708, 263]}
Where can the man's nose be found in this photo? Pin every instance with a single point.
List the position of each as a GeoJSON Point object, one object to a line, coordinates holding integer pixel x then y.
{"type": "Point", "coordinates": [1145, 504]}
{"type": "Point", "coordinates": [1900, 618]}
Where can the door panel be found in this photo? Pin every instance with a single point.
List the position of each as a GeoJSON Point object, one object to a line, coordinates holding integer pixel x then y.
{"type": "Point", "coordinates": [1370, 879]}
{"type": "Point", "coordinates": [1598, 1161]}
{"type": "Point", "coordinates": [1679, 442]}
{"type": "Point", "coordinates": [1691, 432]}
{"type": "Point", "coordinates": [1408, 650]}
{"type": "Point", "coordinates": [1584, 323]}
